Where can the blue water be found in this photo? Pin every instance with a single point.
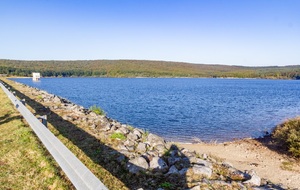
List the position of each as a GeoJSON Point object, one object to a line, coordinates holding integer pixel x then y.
{"type": "Point", "coordinates": [184, 109]}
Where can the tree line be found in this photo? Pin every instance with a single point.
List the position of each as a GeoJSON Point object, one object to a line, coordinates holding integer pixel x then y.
{"type": "Point", "coordinates": [141, 68]}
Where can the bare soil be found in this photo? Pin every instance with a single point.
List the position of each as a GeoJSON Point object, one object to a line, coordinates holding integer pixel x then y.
{"type": "Point", "coordinates": [260, 155]}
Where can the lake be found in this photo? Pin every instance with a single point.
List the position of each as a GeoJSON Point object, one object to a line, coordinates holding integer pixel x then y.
{"type": "Point", "coordinates": [184, 109]}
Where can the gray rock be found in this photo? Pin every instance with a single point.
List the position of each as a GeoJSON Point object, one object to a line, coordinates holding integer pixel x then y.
{"type": "Point", "coordinates": [183, 163]}
{"type": "Point", "coordinates": [137, 132]}
{"type": "Point", "coordinates": [122, 130]}
{"type": "Point", "coordinates": [227, 165]}
{"type": "Point", "coordinates": [202, 170]}
{"type": "Point", "coordinates": [158, 164]}
{"type": "Point", "coordinates": [137, 164]}
{"type": "Point", "coordinates": [122, 147]}
{"type": "Point", "coordinates": [160, 148]}
{"type": "Point", "coordinates": [106, 127]}
{"type": "Point", "coordinates": [56, 99]}
{"type": "Point", "coordinates": [154, 140]}
{"type": "Point", "coordinates": [141, 148]}
{"type": "Point", "coordinates": [173, 160]}
{"type": "Point", "coordinates": [132, 136]}
{"type": "Point", "coordinates": [183, 171]}
{"type": "Point", "coordinates": [130, 148]}
{"type": "Point", "coordinates": [128, 143]}
{"type": "Point", "coordinates": [173, 170]}
{"type": "Point", "coordinates": [255, 179]}
{"type": "Point", "coordinates": [199, 161]}
{"type": "Point", "coordinates": [237, 174]}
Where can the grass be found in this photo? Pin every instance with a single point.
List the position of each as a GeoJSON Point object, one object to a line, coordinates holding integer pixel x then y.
{"type": "Point", "coordinates": [166, 185]}
{"type": "Point", "coordinates": [287, 135]}
{"type": "Point", "coordinates": [119, 136]}
{"type": "Point", "coordinates": [97, 110]}
{"type": "Point", "coordinates": [286, 165]}
{"type": "Point", "coordinates": [24, 162]}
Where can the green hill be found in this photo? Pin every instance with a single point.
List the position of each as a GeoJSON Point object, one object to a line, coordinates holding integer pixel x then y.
{"type": "Point", "coordinates": [141, 68]}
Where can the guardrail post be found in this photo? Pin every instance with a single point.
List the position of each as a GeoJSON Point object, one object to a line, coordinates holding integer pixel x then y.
{"type": "Point", "coordinates": [43, 119]}
{"type": "Point", "coordinates": [23, 102]}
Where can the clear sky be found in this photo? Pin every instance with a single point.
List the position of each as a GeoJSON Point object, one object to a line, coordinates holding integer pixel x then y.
{"type": "Point", "coordinates": [231, 32]}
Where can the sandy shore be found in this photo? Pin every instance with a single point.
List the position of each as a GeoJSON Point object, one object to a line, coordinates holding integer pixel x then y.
{"type": "Point", "coordinates": [257, 154]}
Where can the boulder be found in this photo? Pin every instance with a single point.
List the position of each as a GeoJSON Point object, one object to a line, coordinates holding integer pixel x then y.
{"type": "Point", "coordinates": [172, 160]}
{"type": "Point", "coordinates": [183, 171]}
{"type": "Point", "coordinates": [202, 170]}
{"type": "Point", "coordinates": [122, 130]}
{"type": "Point", "coordinates": [254, 180]}
{"type": "Point", "coordinates": [137, 164]}
{"type": "Point", "coordinates": [129, 143]}
{"type": "Point", "coordinates": [199, 161]}
{"type": "Point", "coordinates": [154, 140]}
{"type": "Point", "coordinates": [137, 132]}
{"type": "Point", "coordinates": [238, 175]}
{"type": "Point", "coordinates": [132, 136]}
{"type": "Point", "coordinates": [160, 148]}
{"type": "Point", "coordinates": [141, 148]}
{"type": "Point", "coordinates": [227, 165]}
{"type": "Point", "coordinates": [158, 164]}
{"type": "Point", "coordinates": [173, 170]}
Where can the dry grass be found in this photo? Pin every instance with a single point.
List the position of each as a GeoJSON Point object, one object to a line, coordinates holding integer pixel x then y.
{"type": "Point", "coordinates": [24, 162]}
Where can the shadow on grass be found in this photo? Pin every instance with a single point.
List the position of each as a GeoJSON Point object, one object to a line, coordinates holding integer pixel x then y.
{"type": "Point", "coordinates": [106, 156]}
{"type": "Point", "coordinates": [7, 118]}
{"type": "Point", "coordinates": [270, 143]}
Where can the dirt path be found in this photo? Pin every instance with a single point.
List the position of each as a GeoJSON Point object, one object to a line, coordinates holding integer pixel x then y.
{"type": "Point", "coordinates": [252, 154]}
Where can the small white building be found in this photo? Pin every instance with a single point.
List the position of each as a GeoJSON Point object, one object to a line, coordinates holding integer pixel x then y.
{"type": "Point", "coordinates": [36, 76]}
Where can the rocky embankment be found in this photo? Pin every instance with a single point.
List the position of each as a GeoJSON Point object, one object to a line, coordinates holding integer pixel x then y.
{"type": "Point", "coordinates": [141, 153]}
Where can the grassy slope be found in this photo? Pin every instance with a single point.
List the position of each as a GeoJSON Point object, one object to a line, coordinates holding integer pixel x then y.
{"type": "Point", "coordinates": [24, 163]}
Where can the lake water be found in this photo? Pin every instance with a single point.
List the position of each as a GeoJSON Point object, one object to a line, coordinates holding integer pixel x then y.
{"type": "Point", "coordinates": [185, 109]}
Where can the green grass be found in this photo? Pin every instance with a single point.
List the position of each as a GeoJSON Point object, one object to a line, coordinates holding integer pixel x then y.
{"type": "Point", "coordinates": [287, 135]}
{"type": "Point", "coordinates": [97, 110]}
{"type": "Point", "coordinates": [166, 185]}
{"type": "Point", "coordinates": [118, 136]}
{"type": "Point", "coordinates": [24, 162]}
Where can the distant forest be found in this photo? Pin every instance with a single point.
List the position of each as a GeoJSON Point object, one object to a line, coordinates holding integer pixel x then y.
{"type": "Point", "coordinates": [141, 68]}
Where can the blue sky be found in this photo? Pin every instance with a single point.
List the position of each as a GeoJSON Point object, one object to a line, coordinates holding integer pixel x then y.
{"type": "Point", "coordinates": [231, 32]}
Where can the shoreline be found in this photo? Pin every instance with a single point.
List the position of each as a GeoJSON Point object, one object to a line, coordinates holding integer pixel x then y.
{"type": "Point", "coordinates": [219, 147]}
{"type": "Point", "coordinates": [256, 154]}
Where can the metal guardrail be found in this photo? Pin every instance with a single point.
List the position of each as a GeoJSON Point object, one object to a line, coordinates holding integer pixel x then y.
{"type": "Point", "coordinates": [80, 176]}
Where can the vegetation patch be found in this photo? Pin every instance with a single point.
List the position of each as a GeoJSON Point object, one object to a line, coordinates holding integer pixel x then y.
{"type": "Point", "coordinates": [97, 110]}
{"type": "Point", "coordinates": [286, 165]}
{"type": "Point", "coordinates": [166, 185]}
{"type": "Point", "coordinates": [118, 136]}
{"type": "Point", "coordinates": [287, 135]}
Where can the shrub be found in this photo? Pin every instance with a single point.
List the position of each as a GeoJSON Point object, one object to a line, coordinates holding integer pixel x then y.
{"type": "Point", "coordinates": [287, 135]}
{"type": "Point", "coordinates": [118, 136]}
{"type": "Point", "coordinates": [97, 110]}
